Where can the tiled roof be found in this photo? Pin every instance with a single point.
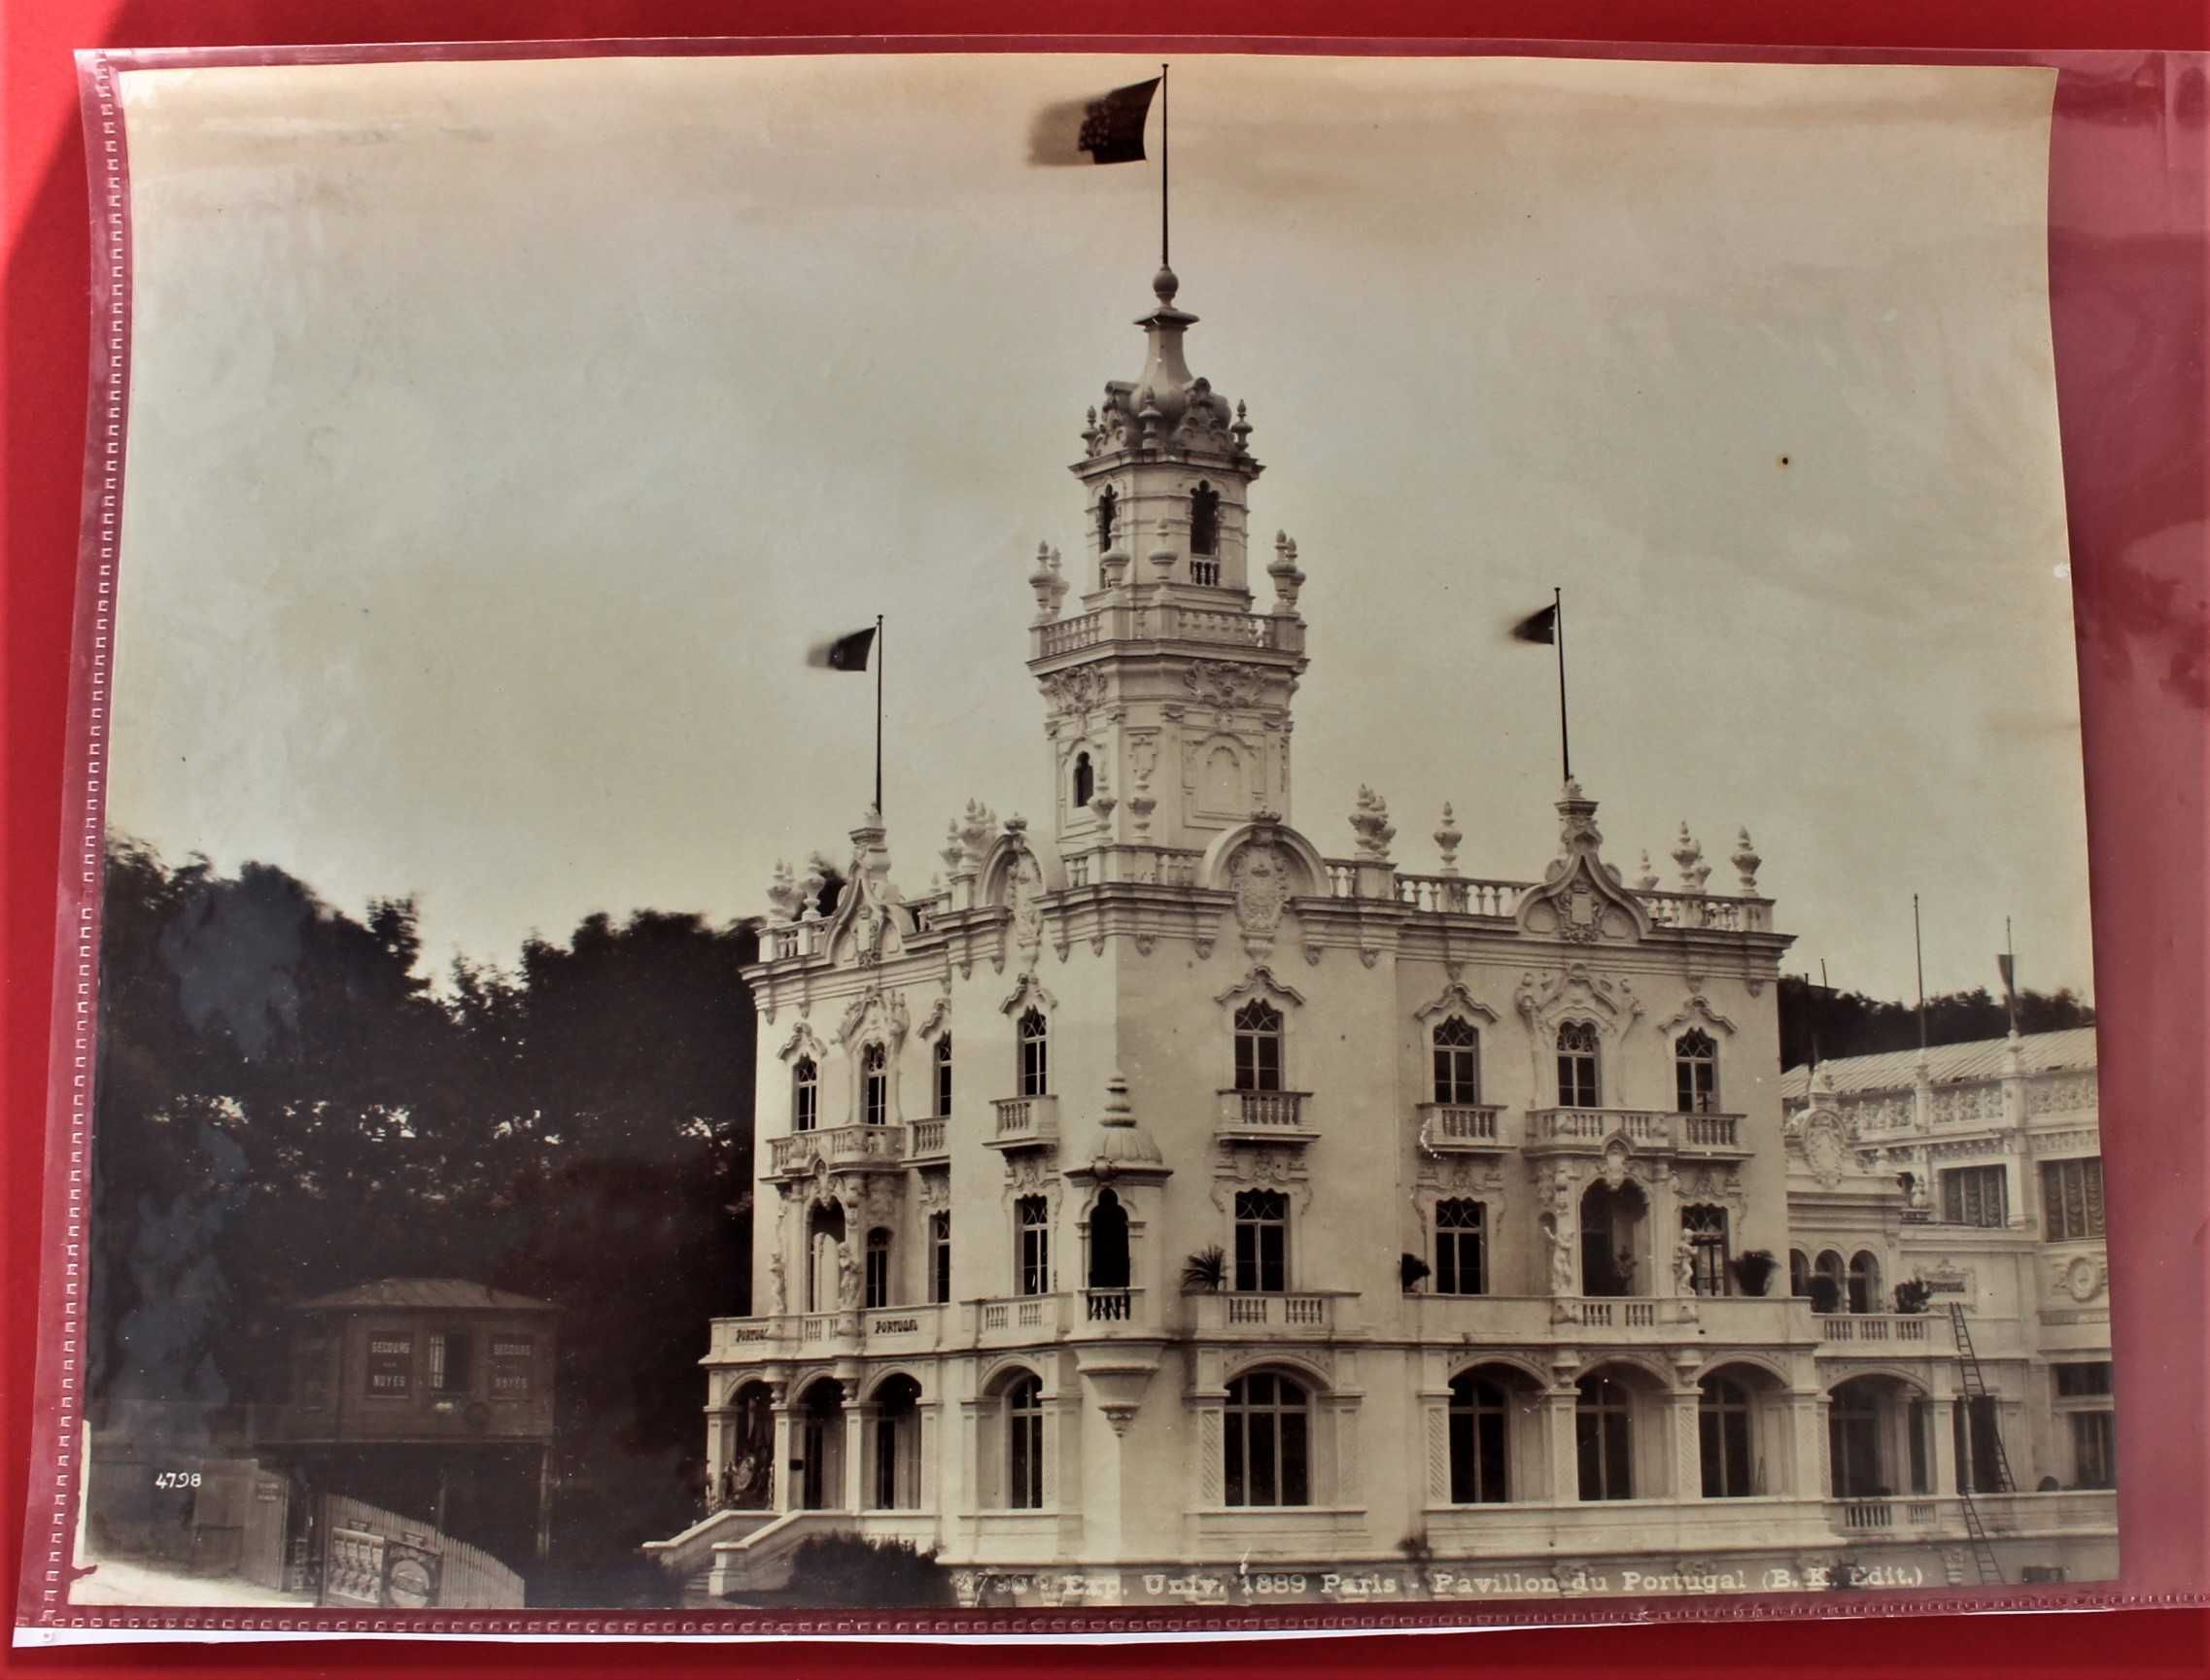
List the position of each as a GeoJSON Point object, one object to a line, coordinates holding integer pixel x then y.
{"type": "Point", "coordinates": [444, 1294]}
{"type": "Point", "coordinates": [2072, 1050]}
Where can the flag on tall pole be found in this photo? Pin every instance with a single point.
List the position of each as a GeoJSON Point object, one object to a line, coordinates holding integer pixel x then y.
{"type": "Point", "coordinates": [1918, 952]}
{"type": "Point", "coordinates": [1105, 130]}
{"type": "Point", "coordinates": [2007, 966]}
{"type": "Point", "coordinates": [850, 652]}
{"type": "Point", "coordinates": [1549, 626]}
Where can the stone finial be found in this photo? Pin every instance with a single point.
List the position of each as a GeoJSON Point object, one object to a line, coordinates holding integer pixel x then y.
{"type": "Point", "coordinates": [1689, 855]}
{"type": "Point", "coordinates": [1745, 860]}
{"type": "Point", "coordinates": [1161, 564]}
{"type": "Point", "coordinates": [1047, 584]}
{"type": "Point", "coordinates": [1140, 808]}
{"type": "Point", "coordinates": [1060, 584]}
{"type": "Point", "coordinates": [1369, 821]}
{"type": "Point", "coordinates": [977, 829]}
{"type": "Point", "coordinates": [1113, 568]}
{"type": "Point", "coordinates": [1103, 801]}
{"type": "Point", "coordinates": [1648, 879]}
{"type": "Point", "coordinates": [1241, 430]}
{"type": "Point", "coordinates": [1016, 825]}
{"type": "Point", "coordinates": [782, 893]}
{"type": "Point", "coordinates": [1577, 821]}
{"type": "Point", "coordinates": [1448, 836]}
{"type": "Point", "coordinates": [1287, 579]}
{"type": "Point", "coordinates": [1148, 416]}
{"type": "Point", "coordinates": [809, 890]}
{"type": "Point", "coordinates": [1090, 432]}
{"type": "Point", "coordinates": [955, 852]}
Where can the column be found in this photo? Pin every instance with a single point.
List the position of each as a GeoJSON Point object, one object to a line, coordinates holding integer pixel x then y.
{"type": "Point", "coordinates": [1946, 1466]}
{"type": "Point", "coordinates": [1564, 1444]}
{"type": "Point", "coordinates": [783, 1477]}
{"type": "Point", "coordinates": [1682, 1429]}
{"type": "Point", "coordinates": [855, 1467]}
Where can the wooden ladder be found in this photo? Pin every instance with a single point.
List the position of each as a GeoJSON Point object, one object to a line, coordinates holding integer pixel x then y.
{"type": "Point", "coordinates": [1975, 1384]}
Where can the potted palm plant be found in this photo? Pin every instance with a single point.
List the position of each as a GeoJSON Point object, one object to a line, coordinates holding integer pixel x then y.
{"type": "Point", "coordinates": [1753, 1270]}
{"type": "Point", "coordinates": [1410, 1271]}
{"type": "Point", "coordinates": [1204, 1272]}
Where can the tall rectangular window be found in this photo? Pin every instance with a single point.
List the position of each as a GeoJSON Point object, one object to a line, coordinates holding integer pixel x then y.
{"type": "Point", "coordinates": [1258, 1047]}
{"type": "Point", "coordinates": [878, 1279]}
{"type": "Point", "coordinates": [1458, 1062]}
{"type": "Point", "coordinates": [875, 1086]}
{"type": "Point", "coordinates": [2071, 1199]}
{"type": "Point", "coordinates": [1975, 1196]}
{"type": "Point", "coordinates": [939, 1255]}
{"type": "Point", "coordinates": [1577, 1085]}
{"type": "Point", "coordinates": [1261, 1240]}
{"type": "Point", "coordinates": [943, 1077]}
{"type": "Point", "coordinates": [1705, 1228]}
{"type": "Point", "coordinates": [1459, 1263]}
{"type": "Point", "coordinates": [2094, 1449]}
{"type": "Point", "coordinates": [449, 1362]}
{"type": "Point", "coordinates": [1695, 1073]}
{"type": "Point", "coordinates": [1035, 1055]}
{"type": "Point", "coordinates": [805, 1094]}
{"type": "Point", "coordinates": [1034, 1216]}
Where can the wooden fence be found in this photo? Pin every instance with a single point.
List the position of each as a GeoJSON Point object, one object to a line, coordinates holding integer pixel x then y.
{"type": "Point", "coordinates": [373, 1556]}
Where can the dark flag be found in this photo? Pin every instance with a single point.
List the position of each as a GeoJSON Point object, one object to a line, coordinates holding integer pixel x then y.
{"type": "Point", "coordinates": [2007, 965]}
{"type": "Point", "coordinates": [845, 653]}
{"type": "Point", "coordinates": [1537, 625]}
{"type": "Point", "coordinates": [1108, 129]}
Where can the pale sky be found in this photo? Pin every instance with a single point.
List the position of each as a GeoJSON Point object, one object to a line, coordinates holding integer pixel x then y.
{"type": "Point", "coordinates": [502, 433]}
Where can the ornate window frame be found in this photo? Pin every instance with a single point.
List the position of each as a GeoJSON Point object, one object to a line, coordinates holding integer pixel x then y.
{"type": "Point", "coordinates": [1547, 999]}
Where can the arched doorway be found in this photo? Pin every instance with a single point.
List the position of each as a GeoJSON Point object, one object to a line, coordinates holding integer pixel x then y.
{"type": "Point", "coordinates": [820, 1446]}
{"type": "Point", "coordinates": [1109, 1265]}
{"type": "Point", "coordinates": [894, 1477]}
{"type": "Point", "coordinates": [747, 1470]}
{"type": "Point", "coordinates": [1743, 1438]}
{"type": "Point", "coordinates": [825, 1253]}
{"type": "Point", "coordinates": [1614, 1226]}
{"type": "Point", "coordinates": [1878, 1438]}
{"type": "Point", "coordinates": [1492, 1407]}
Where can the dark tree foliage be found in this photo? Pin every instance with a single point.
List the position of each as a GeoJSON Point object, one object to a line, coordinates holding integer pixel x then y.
{"type": "Point", "coordinates": [835, 1570]}
{"type": "Point", "coordinates": [1832, 1024]}
{"type": "Point", "coordinates": [287, 1107]}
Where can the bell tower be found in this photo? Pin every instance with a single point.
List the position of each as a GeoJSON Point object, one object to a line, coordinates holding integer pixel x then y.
{"type": "Point", "coordinates": [1167, 694]}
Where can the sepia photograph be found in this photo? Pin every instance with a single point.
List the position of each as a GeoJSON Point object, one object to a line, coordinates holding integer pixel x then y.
{"type": "Point", "coordinates": [1012, 831]}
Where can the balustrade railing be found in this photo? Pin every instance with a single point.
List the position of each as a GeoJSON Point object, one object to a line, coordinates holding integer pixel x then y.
{"type": "Point", "coordinates": [1902, 1327]}
{"type": "Point", "coordinates": [1109, 1306]}
{"type": "Point", "coordinates": [1447, 1126]}
{"type": "Point", "coordinates": [1278, 1312]}
{"type": "Point", "coordinates": [1459, 895]}
{"type": "Point", "coordinates": [1169, 621]}
{"type": "Point", "coordinates": [1707, 910]}
{"type": "Point", "coordinates": [839, 1145]}
{"type": "Point", "coordinates": [928, 1138]}
{"type": "Point", "coordinates": [1711, 1131]}
{"type": "Point", "coordinates": [1652, 1128]}
{"type": "Point", "coordinates": [1020, 1118]}
{"type": "Point", "coordinates": [1614, 1311]}
{"type": "Point", "coordinates": [798, 939]}
{"type": "Point", "coordinates": [1262, 1111]}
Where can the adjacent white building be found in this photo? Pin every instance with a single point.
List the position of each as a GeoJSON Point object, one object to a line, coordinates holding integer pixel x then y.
{"type": "Point", "coordinates": [1164, 1208]}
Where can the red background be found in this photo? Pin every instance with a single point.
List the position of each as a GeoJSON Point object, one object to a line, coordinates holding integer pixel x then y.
{"type": "Point", "coordinates": [2130, 279]}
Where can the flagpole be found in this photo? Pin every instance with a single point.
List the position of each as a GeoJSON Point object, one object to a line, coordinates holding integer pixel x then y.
{"type": "Point", "coordinates": [2011, 977]}
{"type": "Point", "coordinates": [1565, 737]}
{"type": "Point", "coordinates": [1165, 162]}
{"type": "Point", "coordinates": [1919, 945]}
{"type": "Point", "coordinates": [877, 717]}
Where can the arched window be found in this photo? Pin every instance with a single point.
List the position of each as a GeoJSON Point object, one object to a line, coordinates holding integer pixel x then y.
{"type": "Point", "coordinates": [1864, 1281]}
{"type": "Point", "coordinates": [1577, 1049]}
{"type": "Point", "coordinates": [873, 1084]}
{"type": "Point", "coordinates": [943, 1076]}
{"type": "Point", "coordinates": [1724, 1415]}
{"type": "Point", "coordinates": [805, 1094]}
{"type": "Point", "coordinates": [1258, 1047]}
{"type": "Point", "coordinates": [1108, 1258]}
{"type": "Point", "coordinates": [1695, 1073]}
{"type": "Point", "coordinates": [1705, 1228]}
{"type": "Point", "coordinates": [1108, 511]}
{"type": "Point", "coordinates": [1268, 1441]}
{"type": "Point", "coordinates": [1024, 1444]}
{"type": "Point", "coordinates": [1204, 520]}
{"type": "Point", "coordinates": [1461, 1249]}
{"type": "Point", "coordinates": [1084, 783]}
{"type": "Point", "coordinates": [1035, 1054]}
{"type": "Point", "coordinates": [1457, 1061]}
{"type": "Point", "coordinates": [1829, 1283]}
{"type": "Point", "coordinates": [897, 1444]}
{"type": "Point", "coordinates": [1480, 1439]}
{"type": "Point", "coordinates": [1033, 1215]}
{"type": "Point", "coordinates": [1262, 1242]}
{"type": "Point", "coordinates": [939, 1256]}
{"type": "Point", "coordinates": [1603, 1423]}
{"type": "Point", "coordinates": [1799, 1272]}
{"type": "Point", "coordinates": [877, 1267]}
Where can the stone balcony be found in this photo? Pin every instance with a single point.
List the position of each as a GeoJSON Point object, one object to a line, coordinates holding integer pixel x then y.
{"type": "Point", "coordinates": [1166, 621]}
{"type": "Point", "coordinates": [1264, 1118]}
{"type": "Point", "coordinates": [1914, 1336]}
{"type": "Point", "coordinates": [1236, 1315]}
{"type": "Point", "coordinates": [1608, 1320]}
{"type": "Point", "coordinates": [1462, 1128]}
{"type": "Point", "coordinates": [926, 1139]}
{"type": "Point", "coordinates": [918, 1328]}
{"type": "Point", "coordinates": [862, 1148]}
{"type": "Point", "coordinates": [1023, 1122]}
{"type": "Point", "coordinates": [1655, 1131]}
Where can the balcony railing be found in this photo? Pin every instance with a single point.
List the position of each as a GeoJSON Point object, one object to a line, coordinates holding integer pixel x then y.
{"type": "Point", "coordinates": [1262, 1113]}
{"type": "Point", "coordinates": [1167, 621]}
{"type": "Point", "coordinates": [1622, 1312]}
{"type": "Point", "coordinates": [1018, 1317]}
{"type": "Point", "coordinates": [1025, 1121]}
{"type": "Point", "coordinates": [916, 1327]}
{"type": "Point", "coordinates": [1447, 1126]}
{"type": "Point", "coordinates": [1646, 1128]}
{"type": "Point", "coordinates": [839, 1147]}
{"type": "Point", "coordinates": [1459, 895]}
{"type": "Point", "coordinates": [1110, 1306]}
{"type": "Point", "coordinates": [927, 1136]}
{"type": "Point", "coordinates": [1247, 1313]}
{"type": "Point", "coordinates": [1888, 1515]}
{"type": "Point", "coordinates": [1707, 910]}
{"type": "Point", "coordinates": [1894, 1329]}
